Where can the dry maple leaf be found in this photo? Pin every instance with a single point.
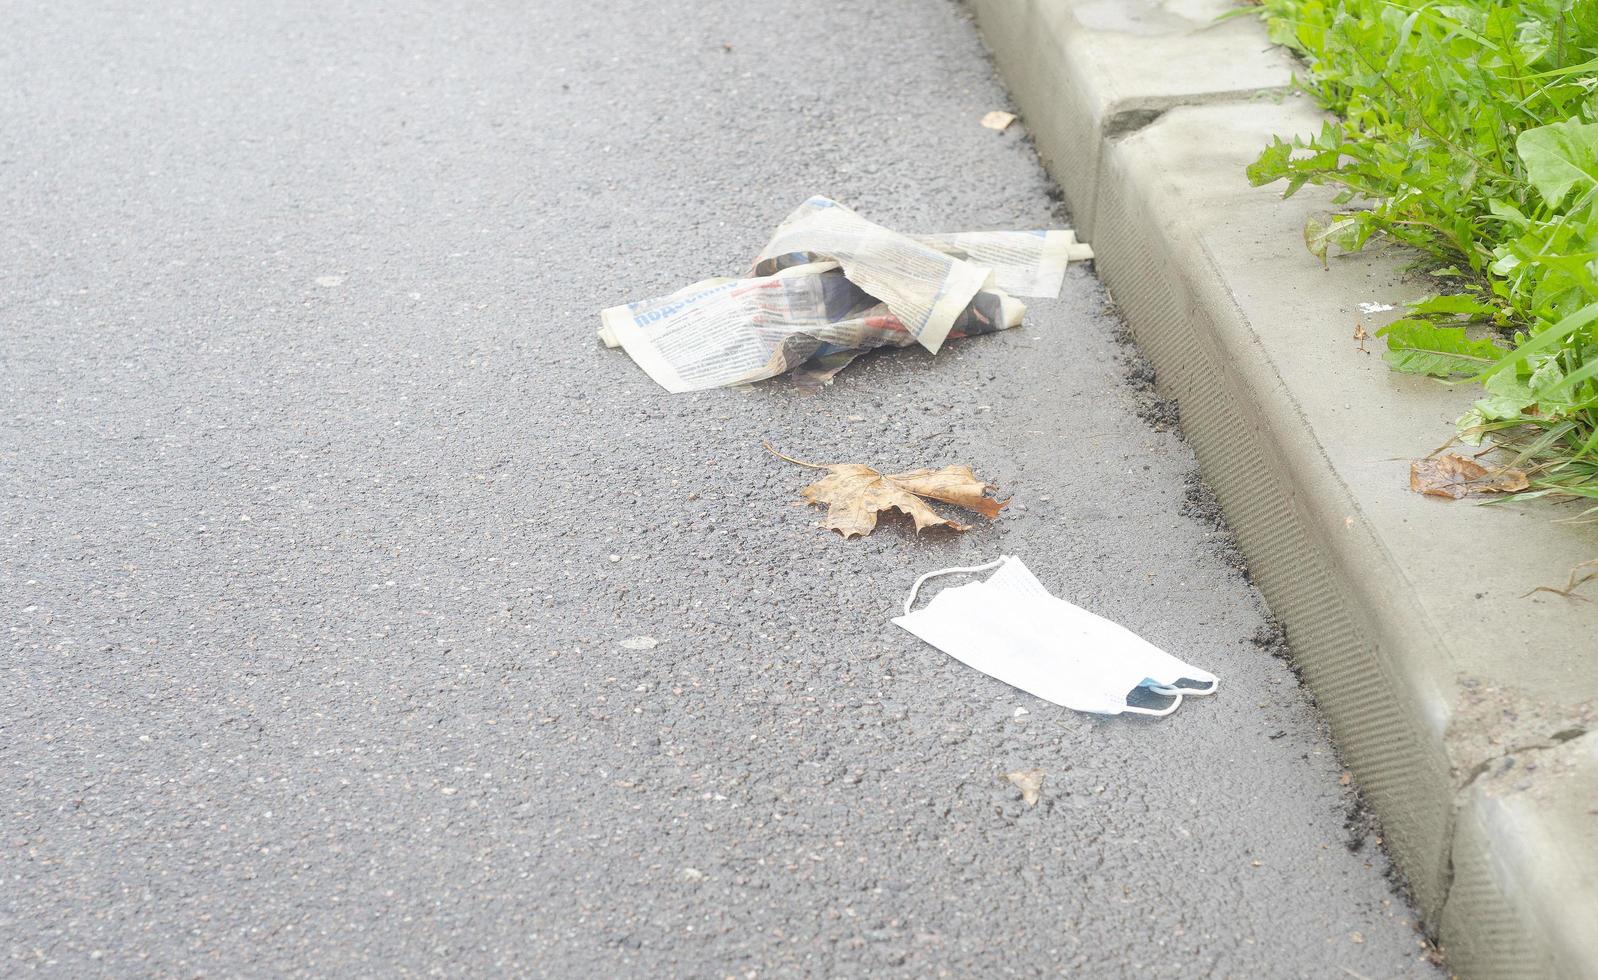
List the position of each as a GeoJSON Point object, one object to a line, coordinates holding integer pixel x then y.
{"type": "Point", "coordinates": [855, 494]}
{"type": "Point", "coordinates": [1456, 477]}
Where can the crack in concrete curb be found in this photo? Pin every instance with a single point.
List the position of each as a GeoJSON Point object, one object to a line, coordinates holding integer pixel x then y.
{"type": "Point", "coordinates": [1122, 122]}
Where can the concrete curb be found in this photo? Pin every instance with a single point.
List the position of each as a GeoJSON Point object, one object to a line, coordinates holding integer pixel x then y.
{"type": "Point", "coordinates": [1464, 707]}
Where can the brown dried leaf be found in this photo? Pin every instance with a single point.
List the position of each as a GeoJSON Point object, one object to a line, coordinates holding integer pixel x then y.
{"type": "Point", "coordinates": [855, 494]}
{"type": "Point", "coordinates": [1029, 782]}
{"type": "Point", "coordinates": [1455, 477]}
{"type": "Point", "coordinates": [956, 485]}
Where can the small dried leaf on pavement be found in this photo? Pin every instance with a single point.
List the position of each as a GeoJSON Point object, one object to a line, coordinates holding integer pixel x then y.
{"type": "Point", "coordinates": [1029, 782]}
{"type": "Point", "coordinates": [998, 120]}
{"type": "Point", "coordinates": [1455, 476]}
{"type": "Point", "coordinates": [855, 494]}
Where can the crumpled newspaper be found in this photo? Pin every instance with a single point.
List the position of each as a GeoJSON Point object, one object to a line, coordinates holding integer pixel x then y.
{"type": "Point", "coordinates": [830, 286]}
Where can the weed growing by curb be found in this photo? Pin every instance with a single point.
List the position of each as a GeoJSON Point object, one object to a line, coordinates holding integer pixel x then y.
{"type": "Point", "coordinates": [1468, 131]}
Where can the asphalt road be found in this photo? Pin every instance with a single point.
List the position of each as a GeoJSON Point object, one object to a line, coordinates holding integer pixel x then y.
{"type": "Point", "coordinates": [325, 518]}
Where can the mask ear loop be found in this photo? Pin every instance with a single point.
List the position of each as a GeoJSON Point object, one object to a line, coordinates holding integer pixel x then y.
{"type": "Point", "coordinates": [947, 571]}
{"type": "Point", "coordinates": [1156, 712]}
{"type": "Point", "coordinates": [1192, 692]}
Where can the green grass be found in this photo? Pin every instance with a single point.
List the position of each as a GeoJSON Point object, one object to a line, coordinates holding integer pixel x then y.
{"type": "Point", "coordinates": [1468, 131]}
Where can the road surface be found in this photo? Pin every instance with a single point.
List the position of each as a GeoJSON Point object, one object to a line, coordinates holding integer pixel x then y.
{"type": "Point", "coordinates": [325, 520]}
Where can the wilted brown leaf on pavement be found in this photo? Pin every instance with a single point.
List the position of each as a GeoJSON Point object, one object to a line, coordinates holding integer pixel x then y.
{"type": "Point", "coordinates": [1456, 477]}
{"type": "Point", "coordinates": [855, 494]}
{"type": "Point", "coordinates": [1029, 782]}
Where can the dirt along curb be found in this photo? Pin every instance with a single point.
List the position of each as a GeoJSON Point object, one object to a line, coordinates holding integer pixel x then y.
{"type": "Point", "coordinates": [1464, 706]}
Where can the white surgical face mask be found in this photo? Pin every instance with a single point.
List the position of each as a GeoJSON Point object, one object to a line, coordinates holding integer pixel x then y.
{"type": "Point", "coordinates": [1011, 628]}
